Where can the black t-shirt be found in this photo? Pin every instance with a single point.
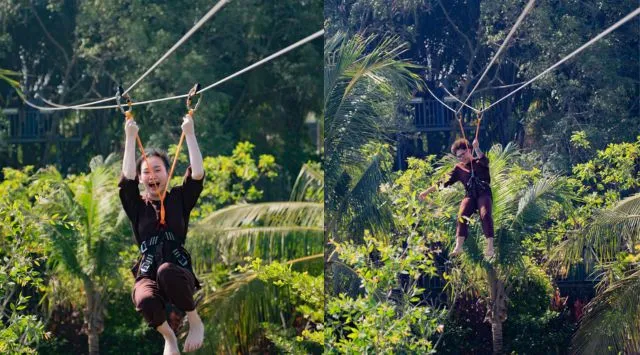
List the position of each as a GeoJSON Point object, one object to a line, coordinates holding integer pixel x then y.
{"type": "Point", "coordinates": [144, 215]}
{"type": "Point", "coordinates": [462, 172]}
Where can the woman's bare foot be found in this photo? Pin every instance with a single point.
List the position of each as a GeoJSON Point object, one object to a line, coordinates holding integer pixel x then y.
{"type": "Point", "coordinates": [171, 348]}
{"type": "Point", "coordinates": [490, 253]}
{"type": "Point", "coordinates": [170, 340]}
{"type": "Point", "coordinates": [458, 249]}
{"type": "Point", "coordinates": [196, 332]}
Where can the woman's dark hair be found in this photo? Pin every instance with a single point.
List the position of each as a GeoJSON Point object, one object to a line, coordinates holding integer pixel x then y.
{"type": "Point", "coordinates": [460, 143]}
{"type": "Point", "coordinates": [153, 152]}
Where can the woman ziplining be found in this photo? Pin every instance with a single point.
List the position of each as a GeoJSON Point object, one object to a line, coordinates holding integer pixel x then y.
{"type": "Point", "coordinates": [160, 219]}
{"type": "Point", "coordinates": [473, 173]}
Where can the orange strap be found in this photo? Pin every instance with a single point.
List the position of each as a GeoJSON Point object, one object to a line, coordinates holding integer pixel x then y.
{"type": "Point", "coordinates": [465, 140]}
{"type": "Point", "coordinates": [173, 166]}
{"type": "Point", "coordinates": [478, 125]}
{"type": "Point", "coordinates": [462, 128]}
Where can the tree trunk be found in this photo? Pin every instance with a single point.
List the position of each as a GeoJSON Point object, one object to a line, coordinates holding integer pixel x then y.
{"type": "Point", "coordinates": [94, 343]}
{"type": "Point", "coordinates": [496, 333]}
{"type": "Point", "coordinates": [496, 308]}
{"type": "Point", "coordinates": [93, 316]}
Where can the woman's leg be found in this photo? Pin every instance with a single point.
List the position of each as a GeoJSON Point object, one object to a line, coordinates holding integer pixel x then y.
{"type": "Point", "coordinates": [467, 206]}
{"type": "Point", "coordinates": [146, 296]}
{"type": "Point", "coordinates": [148, 301]}
{"type": "Point", "coordinates": [484, 206]}
{"type": "Point", "coordinates": [179, 285]}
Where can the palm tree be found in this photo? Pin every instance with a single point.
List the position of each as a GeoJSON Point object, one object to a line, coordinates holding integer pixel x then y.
{"type": "Point", "coordinates": [519, 210]}
{"type": "Point", "coordinates": [610, 323]}
{"type": "Point", "coordinates": [364, 83]}
{"type": "Point", "coordinates": [82, 216]}
{"type": "Point", "coordinates": [288, 231]}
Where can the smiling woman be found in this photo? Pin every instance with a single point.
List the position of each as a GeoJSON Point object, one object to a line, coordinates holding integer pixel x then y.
{"type": "Point", "coordinates": [163, 273]}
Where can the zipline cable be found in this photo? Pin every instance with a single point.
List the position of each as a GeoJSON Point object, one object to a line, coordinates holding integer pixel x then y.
{"type": "Point", "coordinates": [440, 101]}
{"type": "Point", "coordinates": [457, 99]}
{"type": "Point", "coordinates": [502, 47]}
{"type": "Point", "coordinates": [184, 38]}
{"type": "Point", "coordinates": [253, 66]}
{"type": "Point", "coordinates": [572, 54]}
{"type": "Point", "coordinates": [598, 37]}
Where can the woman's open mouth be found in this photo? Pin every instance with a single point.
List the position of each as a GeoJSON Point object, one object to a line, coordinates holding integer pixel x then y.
{"type": "Point", "coordinates": [154, 185]}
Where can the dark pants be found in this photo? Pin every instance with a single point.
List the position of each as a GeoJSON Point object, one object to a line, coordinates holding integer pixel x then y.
{"type": "Point", "coordinates": [173, 284]}
{"type": "Point", "coordinates": [482, 204]}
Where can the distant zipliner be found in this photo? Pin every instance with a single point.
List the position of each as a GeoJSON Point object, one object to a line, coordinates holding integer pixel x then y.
{"type": "Point", "coordinates": [473, 173]}
{"type": "Point", "coordinates": [477, 187]}
{"type": "Point", "coordinates": [159, 218]}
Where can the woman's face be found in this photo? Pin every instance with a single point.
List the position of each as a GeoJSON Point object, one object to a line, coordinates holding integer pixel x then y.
{"type": "Point", "coordinates": [463, 155]}
{"type": "Point", "coordinates": [154, 183]}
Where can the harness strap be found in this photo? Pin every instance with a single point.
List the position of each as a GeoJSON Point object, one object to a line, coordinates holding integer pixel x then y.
{"type": "Point", "coordinates": [152, 253]}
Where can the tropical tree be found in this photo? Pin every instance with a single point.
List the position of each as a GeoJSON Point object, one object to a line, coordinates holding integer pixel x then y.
{"type": "Point", "coordinates": [521, 207]}
{"type": "Point", "coordinates": [273, 296]}
{"type": "Point", "coordinates": [364, 83]}
{"type": "Point", "coordinates": [21, 274]}
{"type": "Point", "coordinates": [610, 241]}
{"type": "Point", "coordinates": [82, 217]}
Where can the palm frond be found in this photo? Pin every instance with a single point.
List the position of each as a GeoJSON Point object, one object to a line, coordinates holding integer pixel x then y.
{"type": "Point", "coordinates": [615, 229]}
{"type": "Point", "coordinates": [309, 185]}
{"type": "Point", "coordinates": [611, 231]}
{"type": "Point", "coordinates": [504, 190]}
{"type": "Point", "coordinates": [611, 320]}
{"type": "Point", "coordinates": [8, 77]}
{"type": "Point", "coordinates": [271, 231]}
{"type": "Point", "coordinates": [364, 207]}
{"type": "Point", "coordinates": [234, 314]}
{"type": "Point", "coordinates": [82, 223]}
{"type": "Point", "coordinates": [267, 213]}
{"type": "Point", "coordinates": [361, 74]}
{"type": "Point", "coordinates": [535, 200]}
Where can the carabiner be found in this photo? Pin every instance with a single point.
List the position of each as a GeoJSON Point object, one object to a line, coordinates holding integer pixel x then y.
{"type": "Point", "coordinates": [119, 96]}
{"type": "Point", "coordinates": [193, 92]}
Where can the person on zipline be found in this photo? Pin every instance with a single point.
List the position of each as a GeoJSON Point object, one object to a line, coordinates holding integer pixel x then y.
{"type": "Point", "coordinates": [163, 273]}
{"type": "Point", "coordinates": [473, 173]}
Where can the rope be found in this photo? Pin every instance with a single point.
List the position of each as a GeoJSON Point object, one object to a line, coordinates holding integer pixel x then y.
{"type": "Point", "coordinates": [572, 54]}
{"type": "Point", "coordinates": [502, 47]}
{"type": "Point", "coordinates": [466, 142]}
{"type": "Point", "coordinates": [173, 165]}
{"type": "Point", "coordinates": [184, 38]}
{"type": "Point", "coordinates": [253, 66]}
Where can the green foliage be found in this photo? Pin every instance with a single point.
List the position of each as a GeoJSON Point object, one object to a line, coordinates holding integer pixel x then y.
{"type": "Point", "coordinates": [532, 324]}
{"type": "Point", "coordinates": [233, 179]}
{"type": "Point", "coordinates": [610, 239]}
{"type": "Point", "coordinates": [303, 294]}
{"type": "Point", "coordinates": [22, 255]}
{"type": "Point", "coordinates": [378, 320]}
{"type": "Point", "coordinates": [365, 81]}
{"type": "Point", "coordinates": [275, 300]}
{"type": "Point", "coordinates": [579, 139]}
{"type": "Point", "coordinates": [610, 175]}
